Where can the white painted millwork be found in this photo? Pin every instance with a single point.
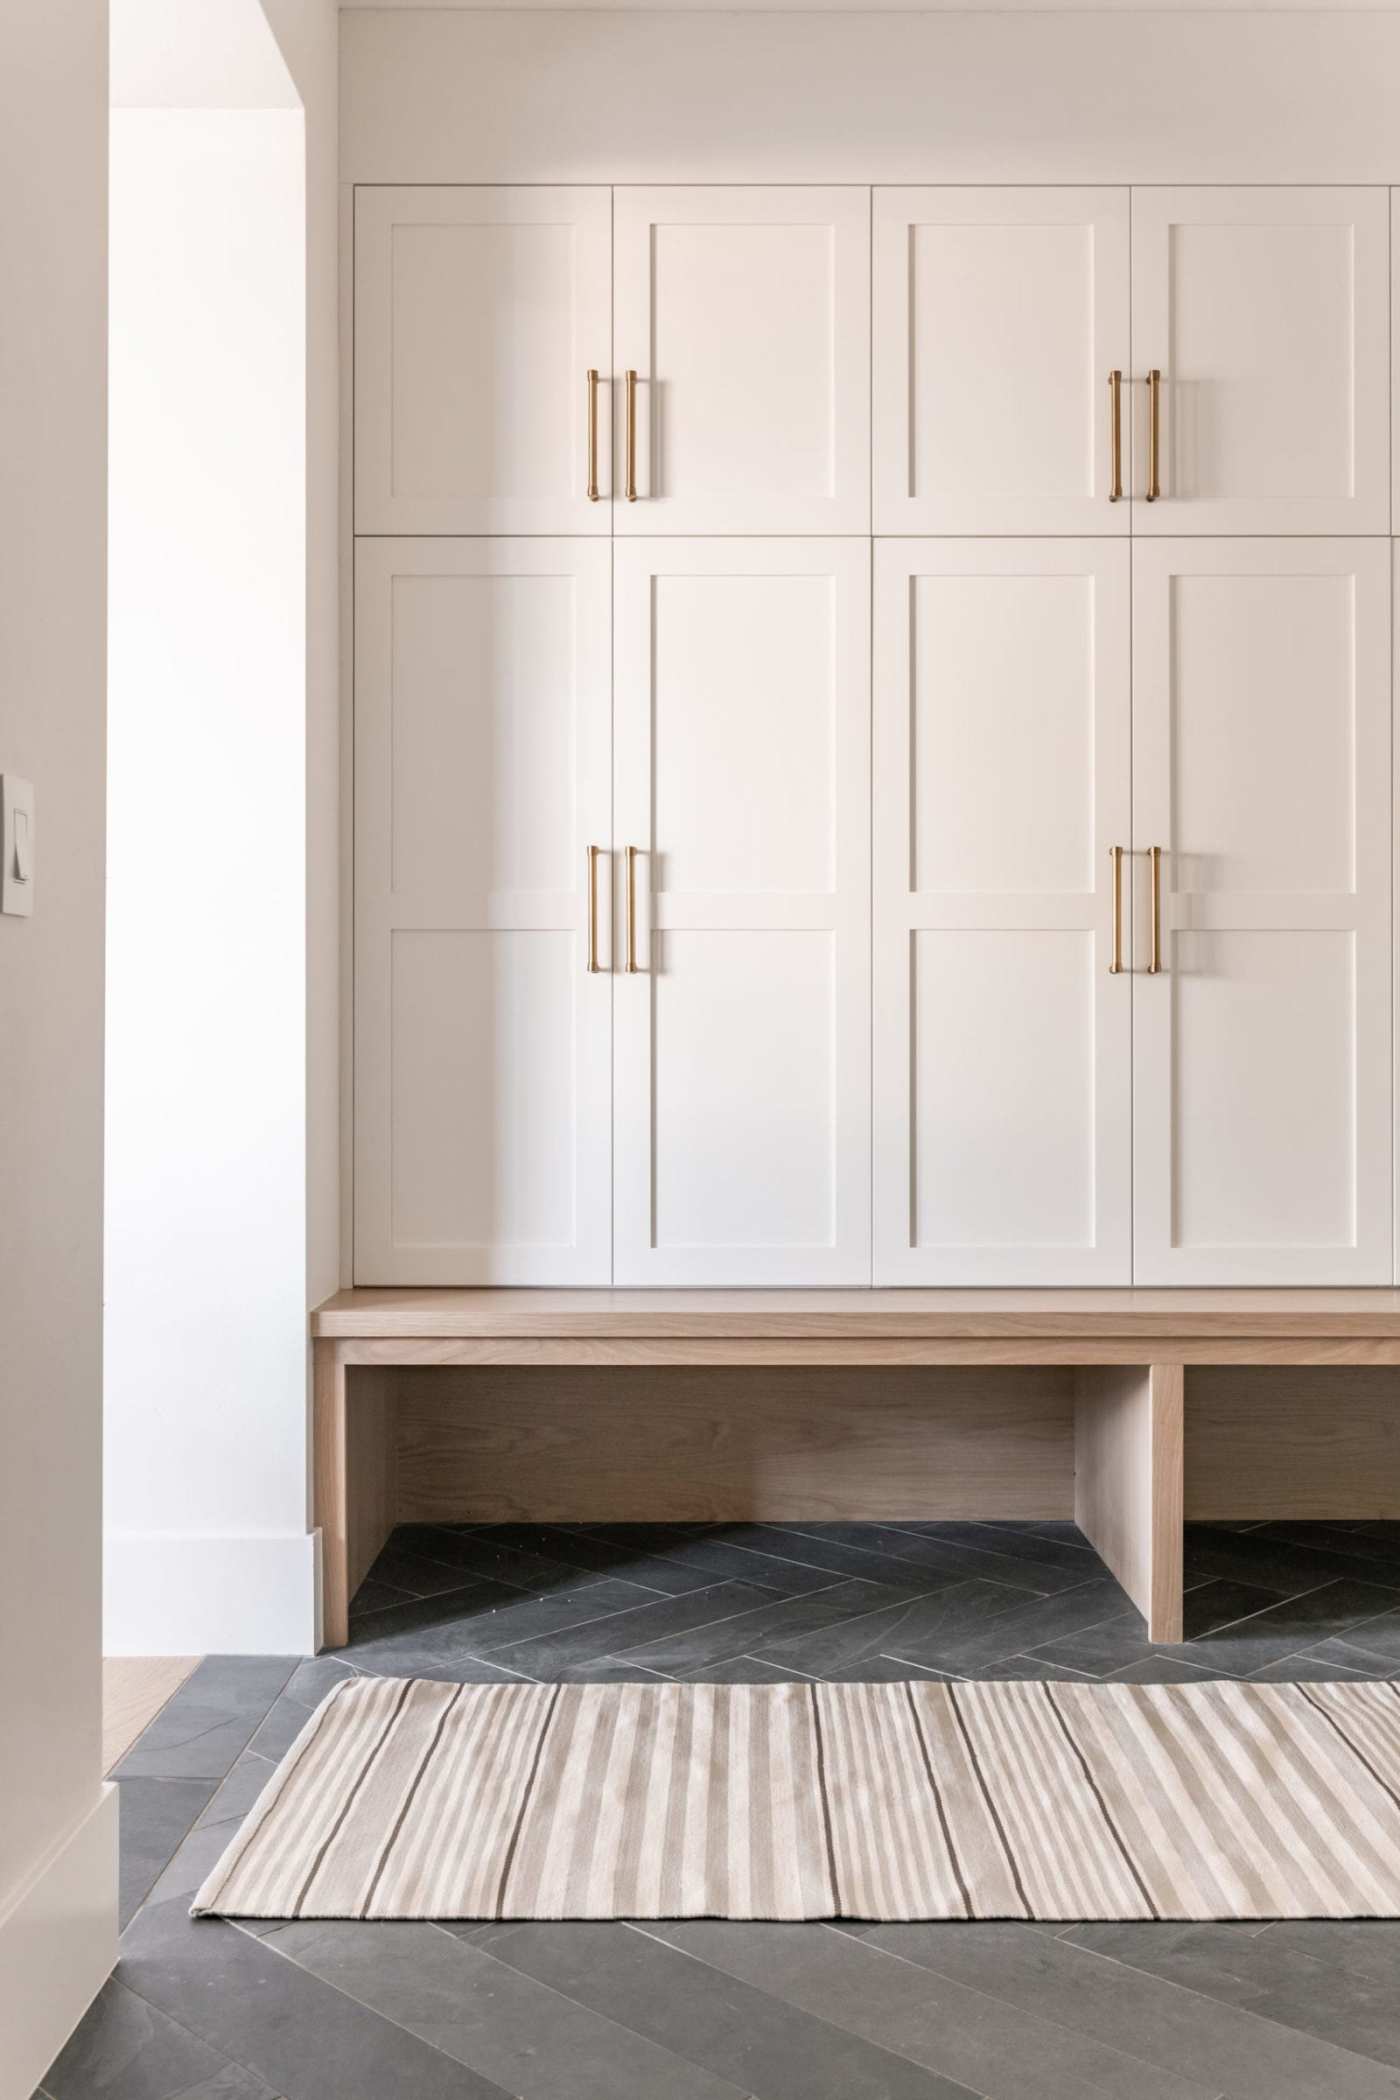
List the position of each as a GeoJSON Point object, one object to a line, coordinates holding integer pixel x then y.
{"type": "Point", "coordinates": [483, 1043]}
{"type": "Point", "coordinates": [1002, 1041]}
{"type": "Point", "coordinates": [745, 313]}
{"type": "Point", "coordinates": [1267, 313]}
{"type": "Point", "coordinates": [742, 1077]}
{"type": "Point", "coordinates": [998, 316]}
{"type": "Point", "coordinates": [478, 314]}
{"type": "Point", "coordinates": [1262, 1050]}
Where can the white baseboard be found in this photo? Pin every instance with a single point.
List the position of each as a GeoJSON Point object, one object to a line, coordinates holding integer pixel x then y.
{"type": "Point", "coordinates": [58, 1945]}
{"type": "Point", "coordinates": [167, 1595]}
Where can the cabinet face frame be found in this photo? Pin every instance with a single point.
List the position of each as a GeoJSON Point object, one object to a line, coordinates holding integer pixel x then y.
{"type": "Point", "coordinates": [386, 907]}
{"type": "Point", "coordinates": [904, 912]}
{"type": "Point", "coordinates": [1021, 386]}
{"type": "Point", "coordinates": [792, 913]}
{"type": "Point", "coordinates": [1186, 449]}
{"type": "Point", "coordinates": [1190, 918]}
{"type": "Point", "coordinates": [585, 213]}
{"type": "Point", "coordinates": [748, 503]}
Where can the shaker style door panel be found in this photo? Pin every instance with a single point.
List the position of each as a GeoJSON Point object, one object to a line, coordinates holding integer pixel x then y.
{"type": "Point", "coordinates": [479, 314]}
{"type": "Point", "coordinates": [742, 1077]}
{"type": "Point", "coordinates": [745, 316]}
{"type": "Point", "coordinates": [999, 316]}
{"type": "Point", "coordinates": [1261, 767]}
{"type": "Point", "coordinates": [1002, 1028]}
{"type": "Point", "coordinates": [1266, 312]}
{"type": "Point", "coordinates": [482, 1039]}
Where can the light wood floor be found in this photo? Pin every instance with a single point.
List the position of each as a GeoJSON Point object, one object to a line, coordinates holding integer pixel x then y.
{"type": "Point", "coordinates": [134, 1689]}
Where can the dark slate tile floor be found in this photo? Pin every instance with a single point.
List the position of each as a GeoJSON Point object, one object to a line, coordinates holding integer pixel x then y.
{"type": "Point", "coordinates": [706, 2010]}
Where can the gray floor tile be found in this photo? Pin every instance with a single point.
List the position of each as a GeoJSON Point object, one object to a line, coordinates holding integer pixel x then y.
{"type": "Point", "coordinates": [1102, 1650]}
{"type": "Point", "coordinates": [1031, 1625]}
{"type": "Point", "coordinates": [1312, 1669]}
{"type": "Point", "coordinates": [125, 2049]}
{"type": "Point", "coordinates": [153, 1817]}
{"type": "Point", "coordinates": [941, 2025]}
{"type": "Point", "coordinates": [1226, 2048]}
{"type": "Point", "coordinates": [1270, 1563]}
{"type": "Point", "coordinates": [1074, 1555]}
{"type": "Point", "coordinates": [200, 1730]}
{"type": "Point", "coordinates": [884, 1669]}
{"type": "Point", "coordinates": [373, 1595]}
{"type": "Point", "coordinates": [869, 1549]}
{"type": "Point", "coordinates": [746, 2036]}
{"type": "Point", "coordinates": [426, 1615]}
{"type": "Point", "coordinates": [584, 1553]}
{"type": "Point", "coordinates": [418, 1575]}
{"type": "Point", "coordinates": [895, 1628]}
{"type": "Point", "coordinates": [741, 1669]}
{"type": "Point", "coordinates": [1377, 1636]}
{"type": "Point", "coordinates": [1287, 1628]}
{"type": "Point", "coordinates": [1158, 1669]}
{"type": "Point", "coordinates": [717, 1559]}
{"type": "Point", "coordinates": [495, 1556]}
{"type": "Point", "coordinates": [1026, 1669]}
{"type": "Point", "coordinates": [488, 1617]}
{"type": "Point", "coordinates": [822, 1616]}
{"type": "Point", "coordinates": [621, 1633]}
{"type": "Point", "coordinates": [529, 2039]}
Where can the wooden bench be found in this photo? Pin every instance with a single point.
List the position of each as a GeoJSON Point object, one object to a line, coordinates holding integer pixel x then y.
{"type": "Point", "coordinates": [1129, 1409]}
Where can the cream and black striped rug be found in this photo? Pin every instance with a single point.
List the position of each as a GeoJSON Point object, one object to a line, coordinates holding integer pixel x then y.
{"type": "Point", "coordinates": [418, 1799]}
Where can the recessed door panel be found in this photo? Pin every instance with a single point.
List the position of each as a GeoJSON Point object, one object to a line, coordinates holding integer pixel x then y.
{"type": "Point", "coordinates": [745, 314]}
{"type": "Point", "coordinates": [1262, 1042]}
{"type": "Point", "coordinates": [1266, 312]}
{"type": "Point", "coordinates": [742, 1090]}
{"type": "Point", "coordinates": [479, 313]}
{"type": "Point", "coordinates": [483, 1040]}
{"type": "Point", "coordinates": [1002, 1029]}
{"type": "Point", "coordinates": [998, 316]}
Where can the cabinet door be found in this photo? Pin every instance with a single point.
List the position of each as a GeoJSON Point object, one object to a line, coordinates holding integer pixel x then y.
{"type": "Point", "coordinates": [482, 1040]}
{"type": "Point", "coordinates": [742, 1080]}
{"type": "Point", "coordinates": [1266, 312]}
{"type": "Point", "coordinates": [1002, 1032]}
{"type": "Point", "coordinates": [745, 314]}
{"type": "Point", "coordinates": [999, 316]}
{"type": "Point", "coordinates": [1261, 769]}
{"type": "Point", "coordinates": [478, 316]}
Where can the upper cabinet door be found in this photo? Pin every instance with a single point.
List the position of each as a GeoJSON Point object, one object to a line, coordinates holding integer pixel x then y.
{"type": "Point", "coordinates": [745, 316]}
{"type": "Point", "coordinates": [1261, 1040]}
{"type": "Point", "coordinates": [1000, 315]}
{"type": "Point", "coordinates": [479, 314]}
{"type": "Point", "coordinates": [1266, 312]}
{"type": "Point", "coordinates": [1003, 999]}
{"type": "Point", "coordinates": [742, 1069]}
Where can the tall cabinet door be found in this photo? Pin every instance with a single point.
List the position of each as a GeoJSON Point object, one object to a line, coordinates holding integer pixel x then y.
{"type": "Point", "coordinates": [1000, 316]}
{"type": "Point", "coordinates": [1266, 313]}
{"type": "Point", "coordinates": [1002, 989]}
{"type": "Point", "coordinates": [742, 1075]}
{"type": "Point", "coordinates": [482, 1037]}
{"type": "Point", "coordinates": [745, 316]}
{"type": "Point", "coordinates": [479, 314]}
{"type": "Point", "coordinates": [1261, 767]}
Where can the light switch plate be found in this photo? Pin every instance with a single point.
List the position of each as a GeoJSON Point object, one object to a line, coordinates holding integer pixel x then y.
{"type": "Point", "coordinates": [16, 845]}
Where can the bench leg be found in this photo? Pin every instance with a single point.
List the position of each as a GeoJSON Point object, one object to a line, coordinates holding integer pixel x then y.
{"type": "Point", "coordinates": [355, 1488]}
{"type": "Point", "coordinates": [328, 1461]}
{"type": "Point", "coordinates": [1128, 1440]}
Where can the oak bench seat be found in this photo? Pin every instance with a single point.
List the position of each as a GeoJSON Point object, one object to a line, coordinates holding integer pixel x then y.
{"type": "Point", "coordinates": [1125, 1352]}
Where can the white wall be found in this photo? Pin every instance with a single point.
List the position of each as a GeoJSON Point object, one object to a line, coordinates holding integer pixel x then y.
{"type": "Point", "coordinates": [438, 95]}
{"type": "Point", "coordinates": [57, 1822]}
{"type": "Point", "coordinates": [222, 1208]}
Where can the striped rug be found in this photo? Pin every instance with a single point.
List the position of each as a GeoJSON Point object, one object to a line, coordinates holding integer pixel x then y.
{"type": "Point", "coordinates": [418, 1799]}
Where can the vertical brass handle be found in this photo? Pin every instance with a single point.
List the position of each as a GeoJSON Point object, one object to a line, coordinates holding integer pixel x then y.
{"type": "Point", "coordinates": [1154, 435]}
{"type": "Point", "coordinates": [1115, 404]}
{"type": "Point", "coordinates": [631, 438]}
{"type": "Point", "coordinates": [1154, 967]}
{"type": "Point", "coordinates": [1115, 968]}
{"type": "Point", "coordinates": [593, 852]}
{"type": "Point", "coordinates": [592, 435]}
{"type": "Point", "coordinates": [631, 911]}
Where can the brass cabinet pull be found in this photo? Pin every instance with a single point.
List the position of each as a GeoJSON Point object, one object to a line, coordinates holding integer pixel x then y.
{"type": "Point", "coordinates": [1154, 434]}
{"type": "Point", "coordinates": [632, 911]}
{"type": "Point", "coordinates": [631, 440]}
{"type": "Point", "coordinates": [592, 435]}
{"type": "Point", "coordinates": [1154, 967]}
{"type": "Point", "coordinates": [1115, 401]}
{"type": "Point", "coordinates": [1116, 966]}
{"type": "Point", "coordinates": [593, 963]}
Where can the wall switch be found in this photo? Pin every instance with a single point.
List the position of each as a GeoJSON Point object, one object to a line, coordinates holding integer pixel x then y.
{"type": "Point", "coordinates": [16, 845]}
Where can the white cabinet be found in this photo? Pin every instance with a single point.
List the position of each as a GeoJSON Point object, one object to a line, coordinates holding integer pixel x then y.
{"type": "Point", "coordinates": [479, 314]}
{"type": "Point", "coordinates": [1261, 765]}
{"type": "Point", "coordinates": [999, 315]}
{"type": "Point", "coordinates": [1266, 312]}
{"type": "Point", "coordinates": [742, 1090]}
{"type": "Point", "coordinates": [745, 315]}
{"type": "Point", "coordinates": [482, 1040]}
{"type": "Point", "coordinates": [1003, 1041]}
